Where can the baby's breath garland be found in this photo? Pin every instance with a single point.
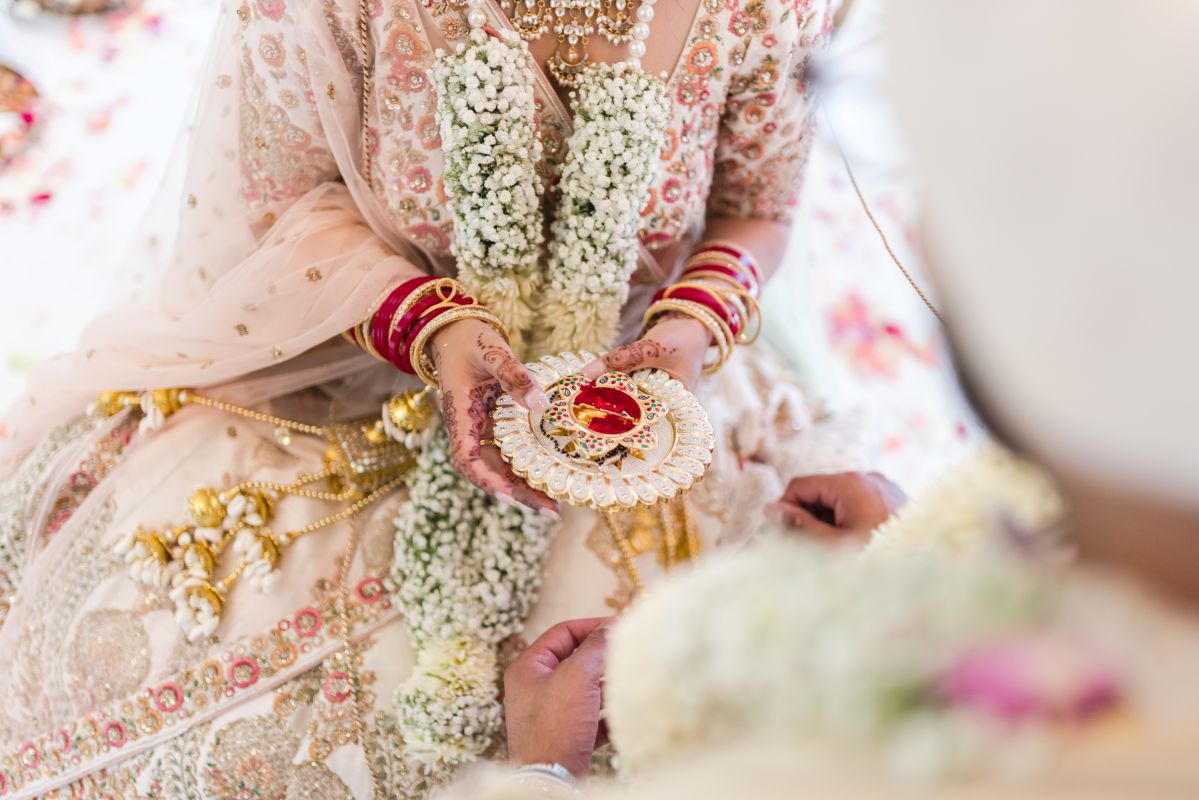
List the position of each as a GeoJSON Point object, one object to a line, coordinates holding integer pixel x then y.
{"type": "Point", "coordinates": [467, 568]}
{"type": "Point", "coordinates": [485, 109]}
{"type": "Point", "coordinates": [620, 115]}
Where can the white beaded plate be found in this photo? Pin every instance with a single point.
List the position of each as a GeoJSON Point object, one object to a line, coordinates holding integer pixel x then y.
{"type": "Point", "coordinates": [616, 442]}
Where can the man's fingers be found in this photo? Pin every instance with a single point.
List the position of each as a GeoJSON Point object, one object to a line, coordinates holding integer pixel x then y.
{"type": "Point", "coordinates": [589, 656]}
{"type": "Point", "coordinates": [559, 642]}
{"type": "Point", "coordinates": [800, 518]}
{"type": "Point", "coordinates": [813, 490]}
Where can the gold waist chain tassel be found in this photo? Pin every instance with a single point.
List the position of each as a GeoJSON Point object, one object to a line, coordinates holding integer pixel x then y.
{"type": "Point", "coordinates": [363, 462]}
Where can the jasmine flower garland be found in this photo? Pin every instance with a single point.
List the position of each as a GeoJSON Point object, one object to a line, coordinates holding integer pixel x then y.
{"type": "Point", "coordinates": [612, 157]}
{"type": "Point", "coordinates": [467, 569]}
{"type": "Point", "coordinates": [485, 110]}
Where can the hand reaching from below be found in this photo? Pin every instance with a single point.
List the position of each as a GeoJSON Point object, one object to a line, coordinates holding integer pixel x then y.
{"type": "Point", "coordinates": [475, 366]}
{"type": "Point", "coordinates": [676, 344]}
{"type": "Point", "coordinates": [848, 504]}
{"type": "Point", "coordinates": [553, 694]}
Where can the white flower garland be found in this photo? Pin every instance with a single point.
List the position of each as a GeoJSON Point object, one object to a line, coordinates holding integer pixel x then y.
{"type": "Point", "coordinates": [467, 569]}
{"type": "Point", "coordinates": [815, 643]}
{"type": "Point", "coordinates": [991, 485]}
{"type": "Point", "coordinates": [612, 156]}
{"type": "Point", "coordinates": [485, 109]}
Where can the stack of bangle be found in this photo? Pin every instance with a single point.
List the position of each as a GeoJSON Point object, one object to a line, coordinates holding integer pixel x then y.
{"type": "Point", "coordinates": [403, 319]}
{"type": "Point", "coordinates": [719, 288]}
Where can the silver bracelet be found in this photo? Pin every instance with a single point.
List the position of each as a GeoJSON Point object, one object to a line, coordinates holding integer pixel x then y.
{"type": "Point", "coordinates": [555, 770]}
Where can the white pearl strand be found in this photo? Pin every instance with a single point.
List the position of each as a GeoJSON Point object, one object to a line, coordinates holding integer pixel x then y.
{"type": "Point", "coordinates": [637, 34]}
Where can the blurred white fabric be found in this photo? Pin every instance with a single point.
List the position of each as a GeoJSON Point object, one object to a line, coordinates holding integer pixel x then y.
{"type": "Point", "coordinates": [116, 90]}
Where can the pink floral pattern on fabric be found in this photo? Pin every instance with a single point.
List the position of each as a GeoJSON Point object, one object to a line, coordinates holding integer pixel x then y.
{"type": "Point", "coordinates": [292, 646]}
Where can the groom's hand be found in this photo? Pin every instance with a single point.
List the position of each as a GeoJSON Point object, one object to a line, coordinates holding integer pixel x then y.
{"type": "Point", "coordinates": [835, 506]}
{"type": "Point", "coordinates": [552, 697]}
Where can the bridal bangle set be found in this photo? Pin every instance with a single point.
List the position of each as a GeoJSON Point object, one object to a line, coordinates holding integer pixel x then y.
{"type": "Point", "coordinates": [719, 288]}
{"type": "Point", "coordinates": [403, 320]}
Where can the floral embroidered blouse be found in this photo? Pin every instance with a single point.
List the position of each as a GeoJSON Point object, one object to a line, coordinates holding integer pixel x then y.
{"type": "Point", "coordinates": [736, 144]}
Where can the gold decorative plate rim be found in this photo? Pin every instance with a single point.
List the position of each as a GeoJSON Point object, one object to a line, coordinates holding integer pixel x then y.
{"type": "Point", "coordinates": [674, 472]}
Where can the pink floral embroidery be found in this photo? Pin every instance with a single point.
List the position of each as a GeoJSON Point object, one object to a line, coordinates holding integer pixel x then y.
{"type": "Point", "coordinates": [272, 9]}
{"type": "Point", "coordinates": [115, 734]}
{"type": "Point", "coordinates": [169, 697]}
{"type": "Point", "coordinates": [243, 672]}
{"type": "Point", "coordinates": [308, 622]}
{"type": "Point", "coordinates": [369, 589]}
{"type": "Point", "coordinates": [336, 687]}
{"type": "Point", "coordinates": [29, 756]}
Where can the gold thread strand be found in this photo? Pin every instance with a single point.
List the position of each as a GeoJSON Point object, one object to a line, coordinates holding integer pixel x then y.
{"type": "Point", "coordinates": [345, 513]}
{"type": "Point", "coordinates": [690, 531]}
{"type": "Point", "coordinates": [853, 181]}
{"type": "Point", "coordinates": [350, 657]}
{"type": "Point", "coordinates": [368, 89]}
{"type": "Point", "coordinates": [626, 553]}
{"type": "Point", "coordinates": [257, 416]}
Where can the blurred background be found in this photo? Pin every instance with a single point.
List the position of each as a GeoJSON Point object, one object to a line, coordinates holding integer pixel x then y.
{"type": "Point", "coordinates": [82, 161]}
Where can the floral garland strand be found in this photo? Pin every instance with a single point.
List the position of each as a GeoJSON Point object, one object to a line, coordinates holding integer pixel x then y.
{"type": "Point", "coordinates": [990, 482]}
{"type": "Point", "coordinates": [612, 157]}
{"type": "Point", "coordinates": [467, 570]}
{"type": "Point", "coordinates": [835, 625]}
{"type": "Point", "coordinates": [485, 110]}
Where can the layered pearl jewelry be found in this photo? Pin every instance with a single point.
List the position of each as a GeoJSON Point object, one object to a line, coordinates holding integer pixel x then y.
{"type": "Point", "coordinates": [574, 22]}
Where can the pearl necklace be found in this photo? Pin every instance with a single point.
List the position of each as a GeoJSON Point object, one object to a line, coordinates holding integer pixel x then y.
{"type": "Point", "coordinates": [574, 22]}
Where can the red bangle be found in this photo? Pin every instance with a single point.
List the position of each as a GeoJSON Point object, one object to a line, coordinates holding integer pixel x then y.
{"type": "Point", "coordinates": [404, 353]}
{"type": "Point", "coordinates": [746, 282]}
{"type": "Point", "coordinates": [379, 322]}
{"type": "Point", "coordinates": [377, 330]}
{"type": "Point", "coordinates": [740, 255]}
{"type": "Point", "coordinates": [720, 309]}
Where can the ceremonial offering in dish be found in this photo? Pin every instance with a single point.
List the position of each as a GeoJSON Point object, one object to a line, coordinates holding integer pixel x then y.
{"type": "Point", "coordinates": [615, 442]}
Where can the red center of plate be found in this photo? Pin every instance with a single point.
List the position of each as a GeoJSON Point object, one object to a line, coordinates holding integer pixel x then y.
{"type": "Point", "coordinates": [606, 411]}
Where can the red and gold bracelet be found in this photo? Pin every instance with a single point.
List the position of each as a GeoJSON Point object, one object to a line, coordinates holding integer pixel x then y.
{"type": "Point", "coordinates": [402, 320]}
{"type": "Point", "coordinates": [719, 288]}
{"type": "Point", "coordinates": [735, 251]}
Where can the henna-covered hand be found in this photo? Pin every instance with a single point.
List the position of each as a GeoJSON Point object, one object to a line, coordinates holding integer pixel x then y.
{"type": "Point", "coordinates": [475, 366]}
{"type": "Point", "coordinates": [676, 344]}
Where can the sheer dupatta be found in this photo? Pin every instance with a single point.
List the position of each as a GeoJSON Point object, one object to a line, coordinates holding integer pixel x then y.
{"type": "Point", "coordinates": [280, 245]}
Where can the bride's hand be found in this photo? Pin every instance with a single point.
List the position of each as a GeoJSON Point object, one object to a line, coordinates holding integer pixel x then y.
{"type": "Point", "coordinates": [676, 344]}
{"type": "Point", "coordinates": [475, 366]}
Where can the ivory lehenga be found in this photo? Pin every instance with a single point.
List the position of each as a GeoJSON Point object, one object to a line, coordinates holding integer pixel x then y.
{"type": "Point", "coordinates": [282, 245]}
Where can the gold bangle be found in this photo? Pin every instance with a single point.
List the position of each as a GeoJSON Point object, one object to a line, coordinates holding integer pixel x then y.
{"type": "Point", "coordinates": [725, 260]}
{"type": "Point", "coordinates": [709, 243]}
{"type": "Point", "coordinates": [721, 335]}
{"type": "Point", "coordinates": [421, 291]}
{"type": "Point", "coordinates": [364, 334]}
{"type": "Point", "coordinates": [363, 326]}
{"type": "Point", "coordinates": [744, 303]}
{"type": "Point", "coordinates": [421, 362]}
